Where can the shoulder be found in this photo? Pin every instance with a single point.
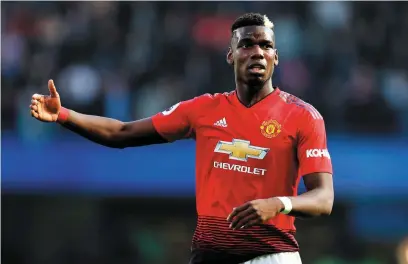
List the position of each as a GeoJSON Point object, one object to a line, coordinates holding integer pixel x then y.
{"type": "Point", "coordinates": [211, 100]}
{"type": "Point", "coordinates": [303, 109]}
{"type": "Point", "coordinates": [198, 105]}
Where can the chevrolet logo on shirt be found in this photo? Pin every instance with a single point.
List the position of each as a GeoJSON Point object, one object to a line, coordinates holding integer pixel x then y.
{"type": "Point", "coordinates": [240, 150]}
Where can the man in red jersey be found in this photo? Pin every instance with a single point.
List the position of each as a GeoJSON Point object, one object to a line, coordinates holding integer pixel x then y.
{"type": "Point", "coordinates": [253, 146]}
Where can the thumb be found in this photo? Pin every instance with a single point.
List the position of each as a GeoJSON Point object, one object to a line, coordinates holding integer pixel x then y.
{"type": "Point", "coordinates": [52, 89]}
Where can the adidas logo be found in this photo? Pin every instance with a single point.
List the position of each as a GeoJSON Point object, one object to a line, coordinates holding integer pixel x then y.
{"type": "Point", "coordinates": [222, 123]}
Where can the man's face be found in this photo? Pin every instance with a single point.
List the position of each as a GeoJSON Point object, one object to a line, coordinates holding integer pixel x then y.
{"type": "Point", "coordinates": [253, 54]}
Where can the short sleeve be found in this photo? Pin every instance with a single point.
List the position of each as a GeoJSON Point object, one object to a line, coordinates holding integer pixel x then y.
{"type": "Point", "coordinates": [175, 122]}
{"type": "Point", "coordinates": [312, 151]}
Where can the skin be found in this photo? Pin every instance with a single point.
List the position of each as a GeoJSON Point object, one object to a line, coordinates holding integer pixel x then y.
{"type": "Point", "coordinates": [253, 45]}
{"type": "Point", "coordinates": [105, 131]}
{"type": "Point", "coordinates": [317, 201]}
{"type": "Point", "coordinates": [249, 45]}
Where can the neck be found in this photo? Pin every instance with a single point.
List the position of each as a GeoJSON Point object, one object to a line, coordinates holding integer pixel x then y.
{"type": "Point", "coordinates": [249, 95]}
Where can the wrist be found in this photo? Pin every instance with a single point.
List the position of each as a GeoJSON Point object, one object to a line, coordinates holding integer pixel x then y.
{"type": "Point", "coordinates": [286, 203]}
{"type": "Point", "coordinates": [63, 115]}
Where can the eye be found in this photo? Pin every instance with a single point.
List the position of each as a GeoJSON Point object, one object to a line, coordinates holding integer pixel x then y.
{"type": "Point", "coordinates": [267, 46]}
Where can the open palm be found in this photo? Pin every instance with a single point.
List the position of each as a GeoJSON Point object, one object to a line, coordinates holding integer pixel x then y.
{"type": "Point", "coordinates": [46, 107]}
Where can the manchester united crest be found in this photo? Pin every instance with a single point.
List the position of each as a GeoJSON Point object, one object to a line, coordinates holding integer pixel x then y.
{"type": "Point", "coordinates": [270, 128]}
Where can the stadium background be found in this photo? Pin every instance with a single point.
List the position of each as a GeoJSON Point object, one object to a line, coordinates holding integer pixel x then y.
{"type": "Point", "coordinates": [66, 200]}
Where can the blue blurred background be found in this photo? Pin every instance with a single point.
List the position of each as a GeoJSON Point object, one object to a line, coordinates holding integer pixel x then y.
{"type": "Point", "coordinates": [66, 200]}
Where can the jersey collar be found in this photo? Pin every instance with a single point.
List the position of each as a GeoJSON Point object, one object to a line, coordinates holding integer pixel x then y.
{"type": "Point", "coordinates": [267, 99]}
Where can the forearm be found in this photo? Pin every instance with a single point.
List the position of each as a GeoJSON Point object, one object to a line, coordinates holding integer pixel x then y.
{"type": "Point", "coordinates": [316, 202]}
{"type": "Point", "coordinates": [98, 129]}
{"type": "Point", "coordinates": [113, 133]}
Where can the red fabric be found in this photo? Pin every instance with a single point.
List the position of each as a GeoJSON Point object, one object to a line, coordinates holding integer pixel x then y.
{"type": "Point", "coordinates": [243, 154]}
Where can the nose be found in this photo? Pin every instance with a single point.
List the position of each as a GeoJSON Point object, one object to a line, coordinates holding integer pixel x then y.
{"type": "Point", "coordinates": [257, 52]}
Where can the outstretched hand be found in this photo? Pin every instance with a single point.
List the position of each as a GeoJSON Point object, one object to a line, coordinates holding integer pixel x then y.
{"type": "Point", "coordinates": [46, 107]}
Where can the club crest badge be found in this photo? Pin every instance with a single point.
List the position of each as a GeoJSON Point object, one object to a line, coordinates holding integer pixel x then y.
{"type": "Point", "coordinates": [270, 128]}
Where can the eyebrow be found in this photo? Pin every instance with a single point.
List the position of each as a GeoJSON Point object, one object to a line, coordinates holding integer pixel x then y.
{"type": "Point", "coordinates": [263, 41]}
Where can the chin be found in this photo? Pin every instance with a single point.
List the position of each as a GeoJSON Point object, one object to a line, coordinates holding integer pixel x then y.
{"type": "Point", "coordinates": [256, 80]}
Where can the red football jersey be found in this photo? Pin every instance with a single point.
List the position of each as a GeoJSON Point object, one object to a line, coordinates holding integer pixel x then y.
{"type": "Point", "coordinates": [242, 154]}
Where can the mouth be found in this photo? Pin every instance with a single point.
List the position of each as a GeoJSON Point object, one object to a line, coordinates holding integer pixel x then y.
{"type": "Point", "coordinates": [256, 68]}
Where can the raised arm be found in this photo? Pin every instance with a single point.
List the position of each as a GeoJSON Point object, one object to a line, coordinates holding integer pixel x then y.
{"type": "Point", "coordinates": [113, 133]}
{"type": "Point", "coordinates": [105, 131]}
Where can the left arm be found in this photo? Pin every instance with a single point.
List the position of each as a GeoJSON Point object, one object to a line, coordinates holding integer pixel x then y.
{"type": "Point", "coordinates": [315, 167]}
{"type": "Point", "coordinates": [318, 200]}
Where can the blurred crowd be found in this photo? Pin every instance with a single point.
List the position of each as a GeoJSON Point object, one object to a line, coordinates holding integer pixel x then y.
{"type": "Point", "coordinates": [129, 60]}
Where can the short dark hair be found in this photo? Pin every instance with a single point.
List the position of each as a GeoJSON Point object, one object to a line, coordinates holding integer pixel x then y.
{"type": "Point", "coordinates": [252, 19]}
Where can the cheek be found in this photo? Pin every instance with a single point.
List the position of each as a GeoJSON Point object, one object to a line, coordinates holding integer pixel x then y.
{"type": "Point", "coordinates": [242, 56]}
{"type": "Point", "coordinates": [271, 60]}
{"type": "Point", "coordinates": [269, 55]}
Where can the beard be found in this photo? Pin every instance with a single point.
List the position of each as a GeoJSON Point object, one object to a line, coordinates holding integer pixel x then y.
{"type": "Point", "coordinates": [255, 83]}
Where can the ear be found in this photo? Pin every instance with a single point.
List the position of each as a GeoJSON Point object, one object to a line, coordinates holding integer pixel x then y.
{"type": "Point", "coordinates": [276, 58]}
{"type": "Point", "coordinates": [230, 57]}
